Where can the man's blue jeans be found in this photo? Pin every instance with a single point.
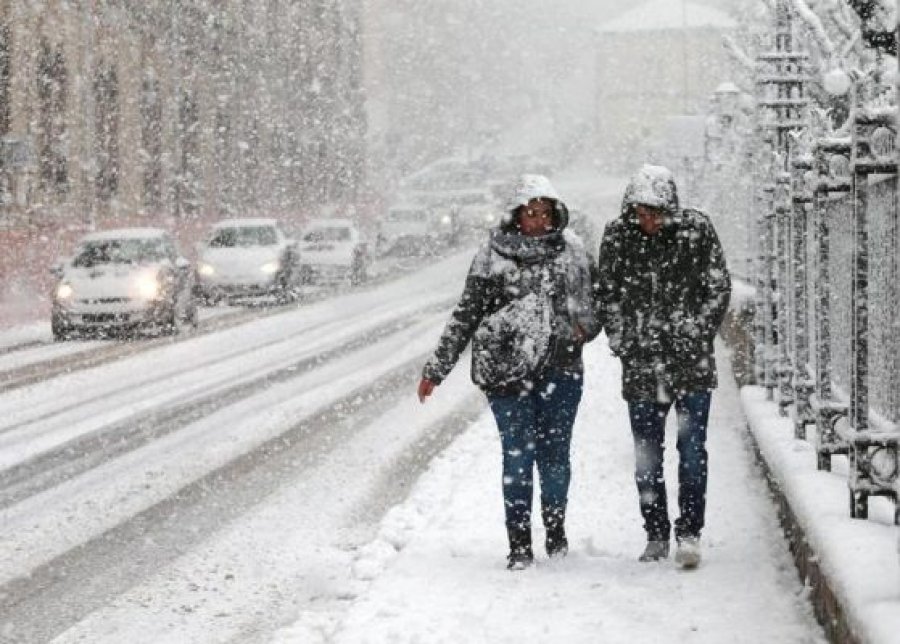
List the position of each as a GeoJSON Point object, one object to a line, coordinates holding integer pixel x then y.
{"type": "Point", "coordinates": [648, 420]}
{"type": "Point", "coordinates": [536, 427]}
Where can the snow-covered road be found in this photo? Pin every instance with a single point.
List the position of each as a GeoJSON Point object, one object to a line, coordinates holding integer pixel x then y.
{"type": "Point", "coordinates": [94, 460]}
{"type": "Point", "coordinates": [254, 482]}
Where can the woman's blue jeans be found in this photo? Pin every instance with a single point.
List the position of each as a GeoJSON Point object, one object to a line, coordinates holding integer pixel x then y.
{"type": "Point", "coordinates": [648, 421]}
{"type": "Point", "coordinates": [536, 428]}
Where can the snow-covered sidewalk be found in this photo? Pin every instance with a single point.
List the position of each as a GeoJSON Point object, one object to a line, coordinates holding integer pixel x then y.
{"type": "Point", "coordinates": [436, 573]}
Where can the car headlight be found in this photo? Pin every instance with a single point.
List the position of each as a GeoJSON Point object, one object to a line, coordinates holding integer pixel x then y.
{"type": "Point", "coordinates": [269, 268]}
{"type": "Point", "coordinates": [148, 287]}
{"type": "Point", "coordinates": [446, 220]}
{"type": "Point", "coordinates": [490, 218]}
{"type": "Point", "coordinates": [206, 269]}
{"type": "Point", "coordinates": [64, 292]}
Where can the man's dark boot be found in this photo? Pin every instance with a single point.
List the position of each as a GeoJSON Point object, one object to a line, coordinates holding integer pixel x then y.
{"type": "Point", "coordinates": [555, 526]}
{"type": "Point", "coordinates": [520, 554]}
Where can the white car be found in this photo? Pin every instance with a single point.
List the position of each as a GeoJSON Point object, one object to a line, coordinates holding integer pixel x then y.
{"type": "Point", "coordinates": [477, 213]}
{"type": "Point", "coordinates": [123, 279]}
{"type": "Point", "coordinates": [331, 249]}
{"type": "Point", "coordinates": [411, 228]}
{"type": "Point", "coordinates": [247, 257]}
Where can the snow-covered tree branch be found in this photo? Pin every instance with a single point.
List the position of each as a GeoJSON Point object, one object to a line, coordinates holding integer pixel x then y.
{"type": "Point", "coordinates": [737, 52]}
{"type": "Point", "coordinates": [815, 24]}
{"type": "Point", "coordinates": [878, 19]}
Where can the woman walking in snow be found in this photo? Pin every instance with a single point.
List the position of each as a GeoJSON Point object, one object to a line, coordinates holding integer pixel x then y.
{"type": "Point", "coordinates": [527, 307]}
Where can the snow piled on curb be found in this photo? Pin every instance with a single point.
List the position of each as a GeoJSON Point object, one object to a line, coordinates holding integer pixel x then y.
{"type": "Point", "coordinates": [859, 557]}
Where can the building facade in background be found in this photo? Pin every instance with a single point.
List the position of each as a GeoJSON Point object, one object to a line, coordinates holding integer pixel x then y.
{"type": "Point", "coordinates": [170, 113]}
{"type": "Point", "coordinates": [664, 58]}
{"type": "Point", "coordinates": [176, 108]}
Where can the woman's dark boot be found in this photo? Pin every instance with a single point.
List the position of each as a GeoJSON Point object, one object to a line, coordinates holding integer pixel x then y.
{"type": "Point", "coordinates": [554, 524]}
{"type": "Point", "coordinates": [520, 554]}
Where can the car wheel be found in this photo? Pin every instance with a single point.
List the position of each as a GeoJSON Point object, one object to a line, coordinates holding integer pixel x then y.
{"type": "Point", "coordinates": [59, 330]}
{"type": "Point", "coordinates": [170, 322]}
{"type": "Point", "coordinates": [287, 293]}
{"type": "Point", "coordinates": [192, 315]}
{"type": "Point", "coordinates": [358, 273]}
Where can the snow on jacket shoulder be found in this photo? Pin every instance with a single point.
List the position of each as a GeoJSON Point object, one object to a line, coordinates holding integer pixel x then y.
{"type": "Point", "coordinates": [661, 300]}
{"type": "Point", "coordinates": [522, 299]}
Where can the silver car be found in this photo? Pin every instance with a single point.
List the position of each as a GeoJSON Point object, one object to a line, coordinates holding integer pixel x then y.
{"type": "Point", "coordinates": [416, 229]}
{"type": "Point", "coordinates": [332, 250]}
{"type": "Point", "coordinates": [247, 257]}
{"type": "Point", "coordinates": [123, 280]}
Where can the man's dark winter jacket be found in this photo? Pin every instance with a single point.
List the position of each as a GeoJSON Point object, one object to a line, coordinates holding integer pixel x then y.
{"type": "Point", "coordinates": [663, 297]}
{"type": "Point", "coordinates": [552, 272]}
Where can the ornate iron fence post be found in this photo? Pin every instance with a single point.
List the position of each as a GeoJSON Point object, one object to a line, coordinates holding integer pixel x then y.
{"type": "Point", "coordinates": [764, 319]}
{"type": "Point", "coordinates": [859, 321]}
{"type": "Point", "coordinates": [801, 199]}
{"type": "Point", "coordinates": [767, 279]}
{"type": "Point", "coordinates": [784, 370]}
{"type": "Point", "coordinates": [873, 452]}
{"type": "Point", "coordinates": [782, 101]}
{"type": "Point", "coordinates": [831, 159]}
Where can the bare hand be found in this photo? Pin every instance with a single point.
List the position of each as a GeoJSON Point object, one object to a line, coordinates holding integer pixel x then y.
{"type": "Point", "coordinates": [580, 335]}
{"type": "Point", "coordinates": [426, 388]}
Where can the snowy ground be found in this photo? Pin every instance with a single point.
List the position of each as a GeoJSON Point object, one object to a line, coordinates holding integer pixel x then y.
{"type": "Point", "coordinates": [110, 474]}
{"type": "Point", "coordinates": [274, 479]}
{"type": "Point", "coordinates": [254, 482]}
{"type": "Point", "coordinates": [436, 571]}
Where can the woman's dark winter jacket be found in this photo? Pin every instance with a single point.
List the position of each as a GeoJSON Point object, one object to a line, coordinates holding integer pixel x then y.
{"type": "Point", "coordinates": [663, 297]}
{"type": "Point", "coordinates": [522, 299]}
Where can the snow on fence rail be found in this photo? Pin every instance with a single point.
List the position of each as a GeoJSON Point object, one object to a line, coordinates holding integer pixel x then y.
{"type": "Point", "coordinates": [827, 327]}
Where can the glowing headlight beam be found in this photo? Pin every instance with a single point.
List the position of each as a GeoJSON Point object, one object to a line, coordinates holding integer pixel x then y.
{"type": "Point", "coordinates": [207, 270]}
{"type": "Point", "coordinates": [269, 268]}
{"type": "Point", "coordinates": [148, 287]}
{"type": "Point", "coordinates": [64, 292]}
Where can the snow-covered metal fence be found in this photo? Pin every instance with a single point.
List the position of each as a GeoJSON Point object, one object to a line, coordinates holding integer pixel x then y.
{"type": "Point", "coordinates": [827, 265]}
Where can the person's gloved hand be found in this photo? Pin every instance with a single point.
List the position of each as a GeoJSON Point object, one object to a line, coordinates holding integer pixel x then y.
{"type": "Point", "coordinates": [426, 388]}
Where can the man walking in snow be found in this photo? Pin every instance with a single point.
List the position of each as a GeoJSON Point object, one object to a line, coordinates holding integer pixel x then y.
{"type": "Point", "coordinates": [664, 290]}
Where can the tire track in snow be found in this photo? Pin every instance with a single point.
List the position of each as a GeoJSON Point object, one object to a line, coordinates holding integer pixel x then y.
{"type": "Point", "coordinates": [92, 449]}
{"type": "Point", "coordinates": [61, 592]}
{"type": "Point", "coordinates": [65, 358]}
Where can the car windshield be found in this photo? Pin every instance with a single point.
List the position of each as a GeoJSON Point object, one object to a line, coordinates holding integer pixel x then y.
{"type": "Point", "coordinates": [451, 179]}
{"type": "Point", "coordinates": [331, 234]}
{"type": "Point", "coordinates": [407, 215]}
{"type": "Point", "coordinates": [120, 251]}
{"type": "Point", "coordinates": [244, 236]}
